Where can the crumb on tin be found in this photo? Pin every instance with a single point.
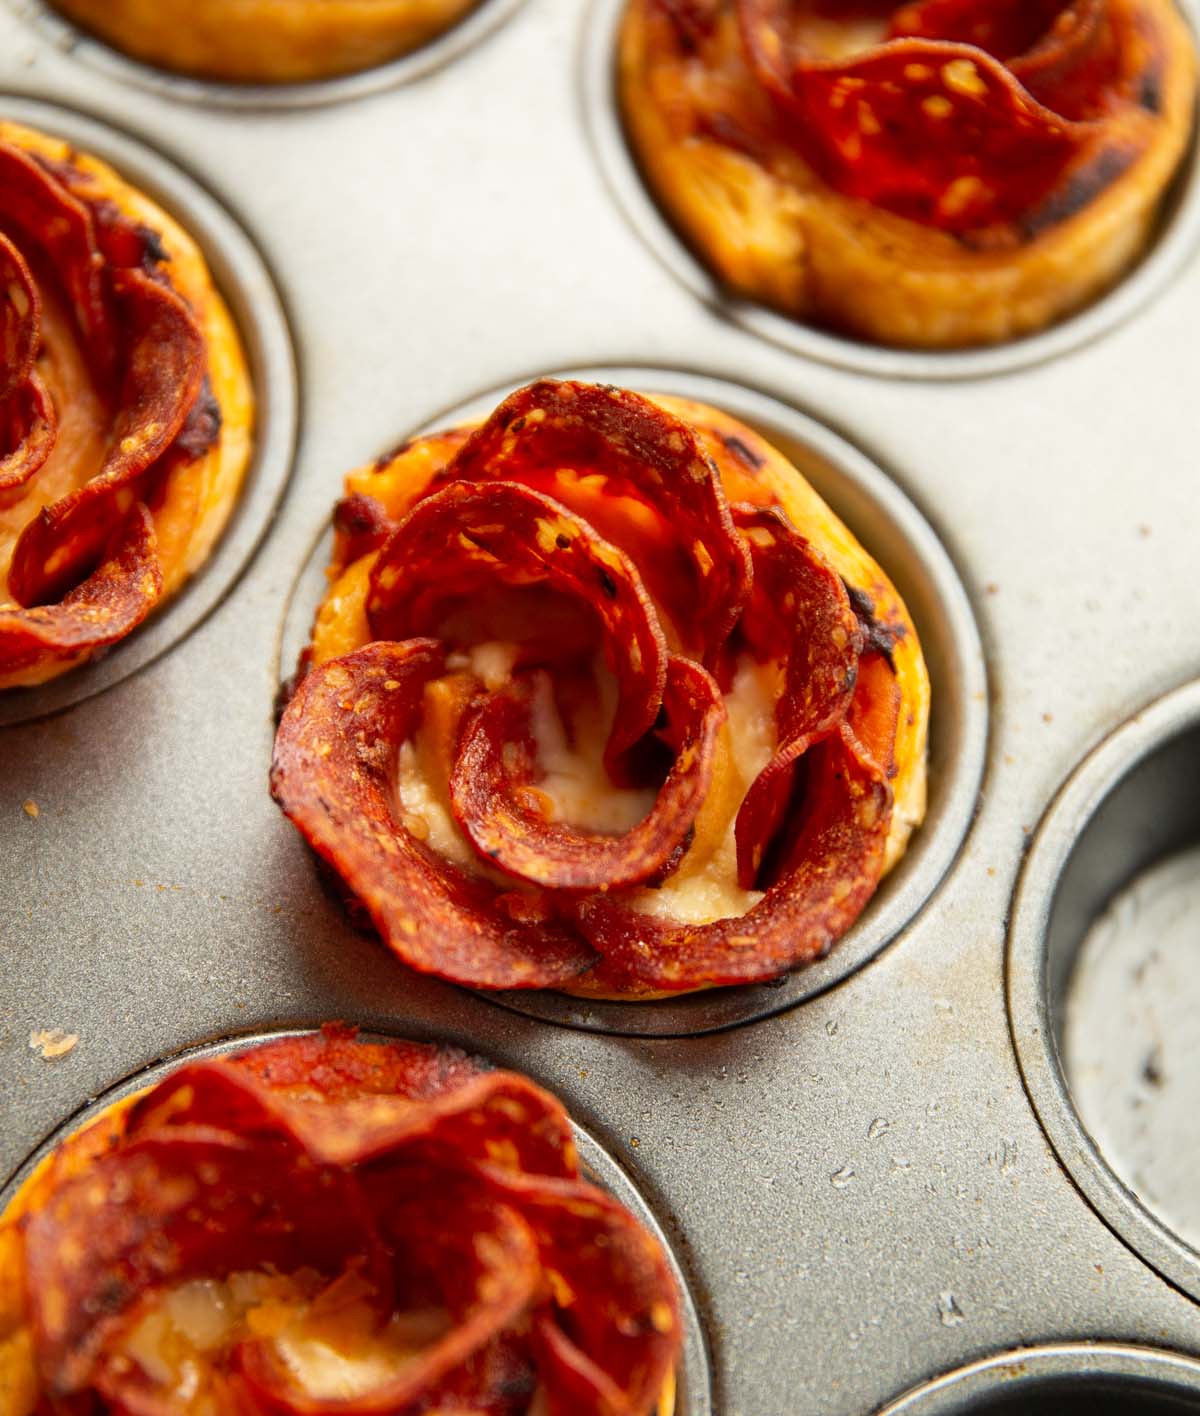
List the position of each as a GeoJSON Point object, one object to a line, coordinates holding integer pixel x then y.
{"type": "Point", "coordinates": [52, 1043]}
{"type": "Point", "coordinates": [31, 808]}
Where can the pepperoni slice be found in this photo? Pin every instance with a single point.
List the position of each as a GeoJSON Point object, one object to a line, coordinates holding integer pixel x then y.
{"type": "Point", "coordinates": [111, 602]}
{"type": "Point", "coordinates": [334, 775]}
{"type": "Point", "coordinates": [597, 449]}
{"type": "Point", "coordinates": [799, 611]}
{"type": "Point", "coordinates": [830, 868]}
{"type": "Point", "coordinates": [163, 374]}
{"type": "Point", "coordinates": [971, 115]}
{"type": "Point", "coordinates": [469, 537]}
{"type": "Point", "coordinates": [497, 764]}
{"type": "Point", "coordinates": [88, 310]}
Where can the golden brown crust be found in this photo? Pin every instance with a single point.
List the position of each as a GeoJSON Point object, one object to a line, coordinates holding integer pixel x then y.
{"type": "Point", "coordinates": [266, 41]}
{"type": "Point", "coordinates": [194, 503]}
{"type": "Point", "coordinates": [774, 232]}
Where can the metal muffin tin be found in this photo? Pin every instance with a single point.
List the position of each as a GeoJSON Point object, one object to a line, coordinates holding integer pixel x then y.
{"type": "Point", "coordinates": [859, 1190]}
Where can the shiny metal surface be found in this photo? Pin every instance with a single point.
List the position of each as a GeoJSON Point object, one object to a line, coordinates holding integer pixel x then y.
{"type": "Point", "coordinates": [858, 1188]}
{"type": "Point", "coordinates": [1062, 1381]}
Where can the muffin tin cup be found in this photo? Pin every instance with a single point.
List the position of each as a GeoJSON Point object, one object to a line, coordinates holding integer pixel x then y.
{"type": "Point", "coordinates": [213, 93]}
{"type": "Point", "coordinates": [902, 541]}
{"type": "Point", "coordinates": [1072, 1379]}
{"type": "Point", "coordinates": [1131, 803]}
{"type": "Point", "coordinates": [242, 278]}
{"type": "Point", "coordinates": [859, 1187]}
{"type": "Point", "coordinates": [1171, 248]}
{"type": "Point", "coordinates": [694, 1382]}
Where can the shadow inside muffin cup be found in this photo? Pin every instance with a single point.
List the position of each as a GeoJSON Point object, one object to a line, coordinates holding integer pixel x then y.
{"type": "Point", "coordinates": [893, 531]}
{"type": "Point", "coordinates": [1075, 1379]}
{"type": "Point", "coordinates": [693, 1392]}
{"type": "Point", "coordinates": [475, 26]}
{"type": "Point", "coordinates": [1102, 963]}
{"type": "Point", "coordinates": [1170, 247]}
{"type": "Point", "coordinates": [245, 283]}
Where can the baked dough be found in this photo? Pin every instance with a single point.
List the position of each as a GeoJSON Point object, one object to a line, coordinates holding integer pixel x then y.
{"type": "Point", "coordinates": [265, 41]}
{"type": "Point", "coordinates": [733, 175]}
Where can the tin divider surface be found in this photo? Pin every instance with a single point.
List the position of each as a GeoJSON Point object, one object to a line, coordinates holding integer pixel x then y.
{"type": "Point", "coordinates": [862, 1191]}
{"type": "Point", "coordinates": [1063, 1381]}
{"type": "Point", "coordinates": [427, 59]}
{"type": "Point", "coordinates": [904, 544]}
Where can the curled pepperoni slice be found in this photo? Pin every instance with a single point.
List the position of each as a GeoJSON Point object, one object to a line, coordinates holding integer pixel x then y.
{"type": "Point", "coordinates": [470, 536]}
{"type": "Point", "coordinates": [496, 803]}
{"type": "Point", "coordinates": [967, 115]}
{"type": "Point", "coordinates": [417, 1219]}
{"type": "Point", "coordinates": [600, 449]}
{"type": "Point", "coordinates": [830, 867]}
{"type": "Point", "coordinates": [334, 776]}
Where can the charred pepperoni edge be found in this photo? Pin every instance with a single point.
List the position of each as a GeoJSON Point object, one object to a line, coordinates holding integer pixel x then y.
{"type": "Point", "coordinates": [225, 1166]}
{"type": "Point", "coordinates": [936, 128]}
{"type": "Point", "coordinates": [614, 1346]}
{"type": "Point", "coordinates": [148, 356]}
{"type": "Point", "coordinates": [27, 420]}
{"type": "Point", "coordinates": [639, 450]}
{"type": "Point", "coordinates": [163, 374]}
{"type": "Point", "coordinates": [169, 1206]}
{"type": "Point", "coordinates": [110, 603]}
{"type": "Point", "coordinates": [829, 869]}
{"type": "Point", "coordinates": [334, 775]}
{"type": "Point", "coordinates": [798, 612]}
{"type": "Point", "coordinates": [471, 1118]}
{"type": "Point", "coordinates": [497, 760]}
{"type": "Point", "coordinates": [470, 537]}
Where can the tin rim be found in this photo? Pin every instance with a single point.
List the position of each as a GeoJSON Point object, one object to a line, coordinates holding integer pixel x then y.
{"type": "Point", "coordinates": [1031, 1006]}
{"type": "Point", "coordinates": [906, 545]}
{"type": "Point", "coordinates": [244, 281]}
{"type": "Point", "coordinates": [315, 93]}
{"type": "Point", "coordinates": [1169, 252]}
{"type": "Point", "coordinates": [694, 1374]}
{"type": "Point", "coordinates": [1143, 1371]}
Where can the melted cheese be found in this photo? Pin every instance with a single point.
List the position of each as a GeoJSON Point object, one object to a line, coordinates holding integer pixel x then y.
{"type": "Point", "coordinates": [576, 781]}
{"type": "Point", "coordinates": [325, 1335]}
{"type": "Point", "coordinates": [576, 787]}
{"type": "Point", "coordinates": [701, 892]}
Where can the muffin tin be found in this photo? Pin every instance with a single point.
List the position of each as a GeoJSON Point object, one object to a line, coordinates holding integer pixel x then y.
{"type": "Point", "coordinates": [852, 1175]}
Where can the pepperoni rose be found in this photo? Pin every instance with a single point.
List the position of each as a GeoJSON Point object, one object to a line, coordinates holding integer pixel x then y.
{"type": "Point", "coordinates": [938, 173]}
{"type": "Point", "coordinates": [124, 408]}
{"type": "Point", "coordinates": [319, 1225]}
{"type": "Point", "coordinates": [603, 698]}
